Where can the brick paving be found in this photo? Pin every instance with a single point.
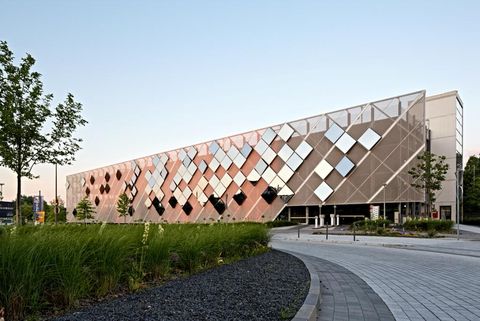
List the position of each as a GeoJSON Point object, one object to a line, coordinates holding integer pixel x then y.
{"type": "Point", "coordinates": [415, 285]}
{"type": "Point", "coordinates": [345, 296]}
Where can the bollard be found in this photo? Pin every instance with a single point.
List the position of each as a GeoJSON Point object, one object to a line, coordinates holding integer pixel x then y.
{"type": "Point", "coordinates": [354, 230]}
{"type": "Point", "coordinates": [298, 230]}
{"type": "Point", "coordinates": [316, 221]}
{"type": "Point", "coordinates": [327, 233]}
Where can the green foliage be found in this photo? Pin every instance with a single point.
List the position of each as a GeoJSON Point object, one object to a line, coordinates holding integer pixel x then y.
{"type": "Point", "coordinates": [471, 187]}
{"type": "Point", "coordinates": [280, 223]}
{"type": "Point", "coordinates": [30, 132]}
{"type": "Point", "coordinates": [429, 174]}
{"type": "Point", "coordinates": [85, 209]}
{"type": "Point", "coordinates": [371, 225]}
{"type": "Point", "coordinates": [425, 225]}
{"type": "Point", "coordinates": [123, 204]}
{"type": "Point", "coordinates": [51, 267]}
{"type": "Point", "coordinates": [471, 220]}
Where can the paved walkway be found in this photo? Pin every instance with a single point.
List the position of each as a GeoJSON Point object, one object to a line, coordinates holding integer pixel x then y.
{"type": "Point", "coordinates": [414, 284]}
{"type": "Point", "coordinates": [345, 296]}
{"type": "Point", "coordinates": [469, 228]}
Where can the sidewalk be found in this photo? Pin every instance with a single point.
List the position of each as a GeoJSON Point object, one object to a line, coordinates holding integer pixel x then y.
{"type": "Point", "coordinates": [469, 228]}
{"type": "Point", "coordinates": [446, 245]}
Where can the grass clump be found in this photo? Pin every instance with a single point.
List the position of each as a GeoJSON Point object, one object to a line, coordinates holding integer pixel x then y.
{"type": "Point", "coordinates": [48, 268]}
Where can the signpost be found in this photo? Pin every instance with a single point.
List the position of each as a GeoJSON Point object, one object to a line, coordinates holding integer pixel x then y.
{"type": "Point", "coordinates": [38, 208]}
{"type": "Point", "coordinates": [6, 212]}
{"type": "Point", "coordinates": [374, 212]}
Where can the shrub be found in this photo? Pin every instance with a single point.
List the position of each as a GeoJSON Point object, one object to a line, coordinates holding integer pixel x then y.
{"type": "Point", "coordinates": [370, 225]}
{"type": "Point", "coordinates": [280, 223]}
{"type": "Point", "coordinates": [471, 220]}
{"type": "Point", "coordinates": [424, 225]}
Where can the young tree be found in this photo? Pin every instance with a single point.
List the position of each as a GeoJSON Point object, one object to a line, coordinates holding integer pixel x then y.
{"type": "Point", "coordinates": [50, 211]}
{"type": "Point", "coordinates": [123, 204]}
{"type": "Point", "coordinates": [471, 187]}
{"type": "Point", "coordinates": [30, 132]}
{"type": "Point", "coordinates": [85, 210]}
{"type": "Point", "coordinates": [428, 175]}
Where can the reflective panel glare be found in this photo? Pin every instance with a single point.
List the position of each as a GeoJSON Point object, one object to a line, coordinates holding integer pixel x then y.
{"type": "Point", "coordinates": [261, 166]}
{"type": "Point", "coordinates": [261, 147]}
{"type": "Point", "coordinates": [285, 152]}
{"type": "Point", "coordinates": [285, 173]}
{"type": "Point", "coordinates": [268, 175]}
{"type": "Point", "coordinates": [304, 149]}
{"type": "Point", "coordinates": [323, 191]}
{"type": "Point", "coordinates": [269, 135]}
{"type": "Point", "coordinates": [345, 166]}
{"type": "Point", "coordinates": [345, 143]}
{"type": "Point", "coordinates": [246, 149]}
{"type": "Point", "coordinates": [269, 155]}
{"type": "Point", "coordinates": [334, 133]}
{"type": "Point", "coordinates": [369, 139]}
{"type": "Point", "coordinates": [323, 169]}
{"type": "Point", "coordinates": [285, 132]}
{"type": "Point", "coordinates": [239, 160]}
{"type": "Point", "coordinates": [294, 162]}
{"type": "Point", "coordinates": [213, 147]}
{"type": "Point", "coordinates": [239, 179]}
{"type": "Point", "coordinates": [202, 167]}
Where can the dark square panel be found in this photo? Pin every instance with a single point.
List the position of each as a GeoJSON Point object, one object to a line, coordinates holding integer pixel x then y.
{"type": "Point", "coordinates": [118, 174]}
{"type": "Point", "coordinates": [107, 177]}
{"type": "Point", "coordinates": [107, 188]}
{"type": "Point", "coordinates": [240, 197]}
{"type": "Point", "coordinates": [187, 208]}
{"type": "Point", "coordinates": [217, 203]}
{"type": "Point", "coordinates": [269, 194]}
{"type": "Point", "coordinates": [97, 201]}
{"type": "Point", "coordinates": [92, 179]}
{"type": "Point", "coordinates": [102, 189]}
{"type": "Point", "coordinates": [172, 201]}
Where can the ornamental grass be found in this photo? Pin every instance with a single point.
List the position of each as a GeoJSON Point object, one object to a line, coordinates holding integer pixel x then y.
{"type": "Point", "coordinates": [48, 268]}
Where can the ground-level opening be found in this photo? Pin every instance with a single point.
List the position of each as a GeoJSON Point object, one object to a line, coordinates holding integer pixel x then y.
{"type": "Point", "coordinates": [347, 214]}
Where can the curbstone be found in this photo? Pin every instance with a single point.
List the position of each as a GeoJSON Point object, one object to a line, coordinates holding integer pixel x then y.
{"type": "Point", "coordinates": [311, 305]}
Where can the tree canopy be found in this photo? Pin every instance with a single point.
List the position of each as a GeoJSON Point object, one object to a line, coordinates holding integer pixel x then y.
{"type": "Point", "coordinates": [471, 187]}
{"type": "Point", "coordinates": [31, 132]}
{"type": "Point", "coordinates": [428, 175]}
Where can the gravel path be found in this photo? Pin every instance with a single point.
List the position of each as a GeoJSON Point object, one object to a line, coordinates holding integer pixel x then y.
{"type": "Point", "coordinates": [266, 287]}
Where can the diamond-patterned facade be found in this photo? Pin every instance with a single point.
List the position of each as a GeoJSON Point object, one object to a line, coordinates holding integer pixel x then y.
{"type": "Point", "coordinates": [246, 173]}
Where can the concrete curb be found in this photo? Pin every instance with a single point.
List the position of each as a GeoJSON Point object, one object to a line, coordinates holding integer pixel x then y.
{"type": "Point", "coordinates": [311, 305]}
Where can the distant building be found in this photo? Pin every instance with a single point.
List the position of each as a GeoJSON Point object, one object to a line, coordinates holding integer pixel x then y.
{"type": "Point", "coordinates": [340, 165]}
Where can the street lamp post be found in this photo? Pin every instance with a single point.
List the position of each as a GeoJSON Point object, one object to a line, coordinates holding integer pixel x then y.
{"type": "Point", "coordinates": [56, 196]}
{"type": "Point", "coordinates": [459, 189]}
{"type": "Point", "coordinates": [334, 215]}
{"type": "Point", "coordinates": [384, 204]}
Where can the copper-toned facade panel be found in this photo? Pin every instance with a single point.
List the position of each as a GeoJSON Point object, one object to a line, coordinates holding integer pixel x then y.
{"type": "Point", "coordinates": [343, 157]}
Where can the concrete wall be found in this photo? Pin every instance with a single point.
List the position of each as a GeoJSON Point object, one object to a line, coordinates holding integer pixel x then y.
{"type": "Point", "coordinates": [440, 112]}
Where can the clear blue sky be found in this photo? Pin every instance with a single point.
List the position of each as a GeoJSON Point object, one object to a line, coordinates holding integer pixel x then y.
{"type": "Point", "coordinates": [156, 75]}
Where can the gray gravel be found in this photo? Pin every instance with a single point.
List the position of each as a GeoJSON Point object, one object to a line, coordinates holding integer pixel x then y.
{"type": "Point", "coordinates": [266, 287]}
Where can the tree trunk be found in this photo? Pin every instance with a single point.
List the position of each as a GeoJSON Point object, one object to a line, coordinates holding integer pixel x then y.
{"type": "Point", "coordinates": [125, 219]}
{"type": "Point", "coordinates": [19, 196]}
